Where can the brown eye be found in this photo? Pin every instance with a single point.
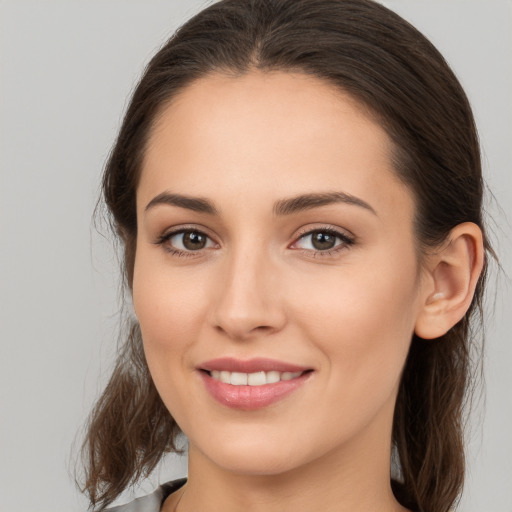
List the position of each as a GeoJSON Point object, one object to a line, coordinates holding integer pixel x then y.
{"type": "Point", "coordinates": [193, 241]}
{"type": "Point", "coordinates": [187, 241]}
{"type": "Point", "coordinates": [322, 241]}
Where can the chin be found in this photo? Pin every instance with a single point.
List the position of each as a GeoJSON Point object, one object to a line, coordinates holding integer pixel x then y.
{"type": "Point", "coordinates": [262, 466]}
{"type": "Point", "coordinates": [258, 457]}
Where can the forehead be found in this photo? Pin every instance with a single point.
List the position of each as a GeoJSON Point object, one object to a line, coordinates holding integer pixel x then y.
{"type": "Point", "coordinates": [274, 134]}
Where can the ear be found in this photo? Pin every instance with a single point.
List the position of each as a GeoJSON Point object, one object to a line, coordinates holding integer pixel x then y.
{"type": "Point", "coordinates": [452, 274]}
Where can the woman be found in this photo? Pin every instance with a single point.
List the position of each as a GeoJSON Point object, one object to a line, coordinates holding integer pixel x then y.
{"type": "Point", "coordinates": [298, 190]}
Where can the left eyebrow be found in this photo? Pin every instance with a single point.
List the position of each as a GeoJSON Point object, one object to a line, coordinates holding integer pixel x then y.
{"type": "Point", "coordinates": [309, 201]}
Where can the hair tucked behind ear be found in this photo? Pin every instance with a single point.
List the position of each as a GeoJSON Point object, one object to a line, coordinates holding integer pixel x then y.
{"type": "Point", "coordinates": [368, 51]}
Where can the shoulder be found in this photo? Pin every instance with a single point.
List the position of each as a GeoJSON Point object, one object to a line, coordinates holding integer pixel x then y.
{"type": "Point", "coordinates": [152, 502]}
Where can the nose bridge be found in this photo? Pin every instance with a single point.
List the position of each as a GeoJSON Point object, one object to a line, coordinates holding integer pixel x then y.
{"type": "Point", "coordinates": [248, 299]}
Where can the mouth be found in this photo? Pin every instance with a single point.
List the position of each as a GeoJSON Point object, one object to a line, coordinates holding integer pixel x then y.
{"type": "Point", "coordinates": [260, 378]}
{"type": "Point", "coordinates": [253, 384]}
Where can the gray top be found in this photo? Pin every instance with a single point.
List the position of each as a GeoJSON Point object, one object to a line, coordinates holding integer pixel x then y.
{"type": "Point", "coordinates": [152, 502]}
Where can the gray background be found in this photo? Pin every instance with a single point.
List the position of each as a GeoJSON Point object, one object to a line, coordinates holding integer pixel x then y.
{"type": "Point", "coordinates": [67, 68]}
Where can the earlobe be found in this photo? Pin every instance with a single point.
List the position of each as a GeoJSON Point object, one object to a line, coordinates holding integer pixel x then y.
{"type": "Point", "coordinates": [453, 273]}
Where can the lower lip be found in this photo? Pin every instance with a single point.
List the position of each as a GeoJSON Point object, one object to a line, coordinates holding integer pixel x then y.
{"type": "Point", "coordinates": [249, 398]}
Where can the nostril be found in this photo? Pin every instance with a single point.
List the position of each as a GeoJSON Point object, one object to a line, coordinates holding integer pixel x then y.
{"type": "Point", "coordinates": [264, 328]}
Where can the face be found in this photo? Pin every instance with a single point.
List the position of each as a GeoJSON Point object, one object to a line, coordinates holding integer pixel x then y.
{"type": "Point", "coordinates": [276, 279]}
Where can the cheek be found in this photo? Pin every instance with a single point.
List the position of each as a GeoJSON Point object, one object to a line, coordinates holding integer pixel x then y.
{"type": "Point", "coordinates": [362, 319]}
{"type": "Point", "coordinates": [168, 306]}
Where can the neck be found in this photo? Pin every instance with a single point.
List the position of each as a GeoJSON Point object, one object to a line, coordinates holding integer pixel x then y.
{"type": "Point", "coordinates": [354, 478]}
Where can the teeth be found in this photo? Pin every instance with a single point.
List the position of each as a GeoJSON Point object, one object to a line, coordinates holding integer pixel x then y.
{"type": "Point", "coordinates": [252, 379]}
{"type": "Point", "coordinates": [256, 379]}
{"type": "Point", "coordinates": [272, 377]}
{"type": "Point", "coordinates": [239, 379]}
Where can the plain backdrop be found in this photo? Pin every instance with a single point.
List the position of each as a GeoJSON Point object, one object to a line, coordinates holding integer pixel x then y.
{"type": "Point", "coordinates": [67, 68]}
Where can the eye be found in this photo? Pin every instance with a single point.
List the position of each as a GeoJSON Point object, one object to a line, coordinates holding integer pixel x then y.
{"type": "Point", "coordinates": [324, 240]}
{"type": "Point", "coordinates": [185, 241]}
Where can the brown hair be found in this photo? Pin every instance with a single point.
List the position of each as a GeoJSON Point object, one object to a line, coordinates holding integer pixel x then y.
{"type": "Point", "coordinates": [370, 52]}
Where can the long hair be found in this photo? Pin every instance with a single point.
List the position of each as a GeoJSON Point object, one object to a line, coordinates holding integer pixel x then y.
{"type": "Point", "coordinates": [366, 50]}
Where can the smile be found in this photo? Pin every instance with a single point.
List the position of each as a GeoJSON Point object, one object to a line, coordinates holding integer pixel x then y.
{"type": "Point", "coordinates": [252, 379]}
{"type": "Point", "coordinates": [253, 384]}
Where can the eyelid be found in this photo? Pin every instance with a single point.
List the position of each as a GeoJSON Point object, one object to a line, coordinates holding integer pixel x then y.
{"type": "Point", "coordinates": [168, 234]}
{"type": "Point", "coordinates": [174, 230]}
{"type": "Point", "coordinates": [347, 239]}
{"type": "Point", "coordinates": [342, 233]}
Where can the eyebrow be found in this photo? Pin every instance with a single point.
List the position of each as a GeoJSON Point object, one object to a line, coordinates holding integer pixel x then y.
{"type": "Point", "coordinates": [196, 204]}
{"type": "Point", "coordinates": [310, 201]}
{"type": "Point", "coordinates": [282, 207]}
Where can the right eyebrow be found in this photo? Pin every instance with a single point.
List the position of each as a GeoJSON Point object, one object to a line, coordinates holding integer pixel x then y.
{"type": "Point", "coordinates": [196, 204]}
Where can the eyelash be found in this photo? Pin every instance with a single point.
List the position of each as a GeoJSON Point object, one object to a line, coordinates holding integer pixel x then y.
{"type": "Point", "coordinates": [346, 241]}
{"type": "Point", "coordinates": [164, 239]}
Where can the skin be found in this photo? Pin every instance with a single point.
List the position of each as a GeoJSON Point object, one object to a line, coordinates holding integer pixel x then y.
{"type": "Point", "coordinates": [260, 289]}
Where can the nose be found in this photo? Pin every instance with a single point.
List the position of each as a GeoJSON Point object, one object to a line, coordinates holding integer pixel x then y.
{"type": "Point", "coordinates": [248, 302]}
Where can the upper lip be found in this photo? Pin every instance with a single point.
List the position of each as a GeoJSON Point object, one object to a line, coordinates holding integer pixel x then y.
{"type": "Point", "coordinates": [258, 364]}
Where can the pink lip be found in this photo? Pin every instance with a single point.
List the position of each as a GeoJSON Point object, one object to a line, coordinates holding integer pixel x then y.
{"type": "Point", "coordinates": [259, 364]}
{"type": "Point", "coordinates": [250, 398]}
